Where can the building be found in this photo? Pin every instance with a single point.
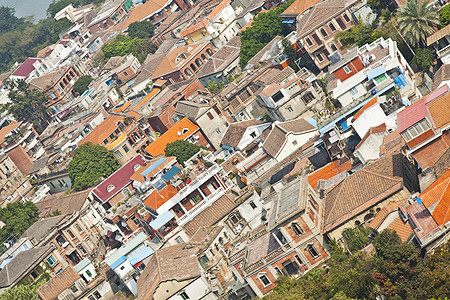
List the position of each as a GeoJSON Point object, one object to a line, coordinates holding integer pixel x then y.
{"type": "Point", "coordinates": [239, 135]}
{"type": "Point", "coordinates": [369, 147]}
{"type": "Point", "coordinates": [107, 16]}
{"type": "Point", "coordinates": [164, 279]}
{"type": "Point", "coordinates": [317, 26]}
{"type": "Point", "coordinates": [440, 40]}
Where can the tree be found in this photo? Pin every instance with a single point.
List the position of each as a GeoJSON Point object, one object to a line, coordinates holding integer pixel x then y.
{"type": "Point", "coordinates": [214, 86]}
{"type": "Point", "coordinates": [356, 238]}
{"type": "Point", "coordinates": [291, 53]}
{"type": "Point", "coordinates": [182, 150]}
{"type": "Point", "coordinates": [82, 84]}
{"type": "Point", "coordinates": [8, 20]}
{"type": "Point", "coordinates": [416, 21]}
{"type": "Point", "coordinates": [17, 217]}
{"type": "Point", "coordinates": [437, 273]}
{"type": "Point", "coordinates": [89, 164]}
{"type": "Point", "coordinates": [444, 16]}
{"type": "Point", "coordinates": [359, 34]}
{"type": "Point", "coordinates": [57, 5]}
{"type": "Point", "coordinates": [26, 104]}
{"type": "Point", "coordinates": [20, 292]}
{"type": "Point", "coordinates": [423, 58]}
{"type": "Point", "coordinates": [123, 45]}
{"type": "Point", "coordinates": [141, 30]}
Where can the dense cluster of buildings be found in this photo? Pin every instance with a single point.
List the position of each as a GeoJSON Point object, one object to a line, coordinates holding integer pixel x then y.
{"type": "Point", "coordinates": [289, 160]}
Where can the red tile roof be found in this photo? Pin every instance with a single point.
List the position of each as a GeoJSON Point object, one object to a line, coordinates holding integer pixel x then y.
{"type": "Point", "coordinates": [180, 131]}
{"type": "Point", "coordinates": [437, 198]}
{"type": "Point", "coordinates": [329, 171]}
{"type": "Point", "coordinates": [118, 179]}
{"type": "Point", "coordinates": [26, 68]}
{"type": "Point", "coordinates": [403, 229]}
{"type": "Point", "coordinates": [194, 28]}
{"type": "Point", "coordinates": [411, 115]}
{"type": "Point", "coordinates": [157, 198]}
{"type": "Point", "coordinates": [372, 130]}
{"type": "Point", "coordinates": [102, 131]}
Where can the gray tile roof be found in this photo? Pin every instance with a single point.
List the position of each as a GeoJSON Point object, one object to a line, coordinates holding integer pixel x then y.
{"type": "Point", "coordinates": [39, 230]}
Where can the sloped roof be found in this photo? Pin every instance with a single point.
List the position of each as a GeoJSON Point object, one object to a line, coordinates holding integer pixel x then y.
{"type": "Point", "coordinates": [236, 130]}
{"type": "Point", "coordinates": [379, 218]}
{"type": "Point", "coordinates": [439, 110]}
{"type": "Point", "coordinates": [437, 198]}
{"type": "Point", "coordinates": [190, 109]}
{"type": "Point", "coordinates": [411, 115]}
{"type": "Point", "coordinates": [40, 229]}
{"type": "Point", "coordinates": [102, 131]}
{"type": "Point", "coordinates": [58, 284]}
{"type": "Point", "coordinates": [368, 104]}
{"type": "Point", "coordinates": [277, 137]}
{"type": "Point", "coordinates": [118, 180]}
{"type": "Point", "coordinates": [22, 264]}
{"type": "Point", "coordinates": [180, 131]}
{"type": "Point", "coordinates": [25, 68]}
{"type": "Point", "coordinates": [328, 171]}
{"type": "Point", "coordinates": [403, 229]}
{"type": "Point", "coordinates": [256, 59]}
{"type": "Point", "coordinates": [143, 11]}
{"type": "Point", "coordinates": [319, 13]}
{"type": "Point", "coordinates": [298, 6]}
{"type": "Point", "coordinates": [48, 80]}
{"type": "Point", "coordinates": [442, 74]}
{"type": "Point", "coordinates": [376, 129]}
{"type": "Point", "coordinates": [177, 262]}
{"type": "Point", "coordinates": [157, 198]}
{"type": "Point", "coordinates": [66, 204]}
{"type": "Point", "coordinates": [438, 35]}
{"type": "Point", "coordinates": [212, 214]}
{"type": "Point", "coordinates": [7, 129]}
{"type": "Point", "coordinates": [362, 189]}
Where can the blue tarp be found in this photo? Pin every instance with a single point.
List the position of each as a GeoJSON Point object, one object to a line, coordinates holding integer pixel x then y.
{"type": "Point", "coordinates": [172, 172]}
{"type": "Point", "coordinates": [419, 200]}
{"type": "Point", "coordinates": [153, 166]}
{"type": "Point", "coordinates": [162, 219]}
{"type": "Point", "coordinates": [312, 122]}
{"type": "Point", "coordinates": [400, 81]}
{"type": "Point", "coordinates": [140, 256]}
{"type": "Point", "coordinates": [290, 21]}
{"type": "Point", "coordinates": [343, 124]}
{"type": "Point", "coordinates": [376, 72]}
{"type": "Point", "coordinates": [130, 83]}
{"type": "Point", "coordinates": [159, 185]}
{"type": "Point", "coordinates": [118, 262]}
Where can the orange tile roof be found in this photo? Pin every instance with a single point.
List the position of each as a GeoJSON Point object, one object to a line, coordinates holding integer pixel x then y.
{"type": "Point", "coordinates": [299, 6]}
{"type": "Point", "coordinates": [218, 9]}
{"type": "Point", "coordinates": [157, 198]}
{"type": "Point", "coordinates": [328, 171]}
{"type": "Point", "coordinates": [175, 133]}
{"type": "Point", "coordinates": [102, 131]}
{"type": "Point", "coordinates": [123, 107]}
{"type": "Point", "coordinates": [153, 93]}
{"type": "Point", "coordinates": [143, 11]}
{"type": "Point", "coordinates": [438, 195]}
{"type": "Point", "coordinates": [440, 111]}
{"type": "Point", "coordinates": [7, 129]}
{"type": "Point", "coordinates": [376, 222]}
{"type": "Point", "coordinates": [368, 104]}
{"type": "Point", "coordinates": [403, 229]}
{"type": "Point", "coordinates": [194, 28]}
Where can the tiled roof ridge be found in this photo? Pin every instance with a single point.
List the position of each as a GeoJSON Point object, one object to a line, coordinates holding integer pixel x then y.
{"type": "Point", "coordinates": [380, 175]}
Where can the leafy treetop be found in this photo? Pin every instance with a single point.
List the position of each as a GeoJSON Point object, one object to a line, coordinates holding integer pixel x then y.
{"type": "Point", "coordinates": [182, 150]}
{"type": "Point", "coordinates": [124, 44]}
{"type": "Point", "coordinates": [82, 84]}
{"type": "Point", "coordinates": [17, 217]}
{"type": "Point", "coordinates": [141, 30]}
{"type": "Point", "coordinates": [89, 164]}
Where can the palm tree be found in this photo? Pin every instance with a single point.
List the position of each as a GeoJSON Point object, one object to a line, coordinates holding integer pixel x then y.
{"type": "Point", "coordinates": [416, 21]}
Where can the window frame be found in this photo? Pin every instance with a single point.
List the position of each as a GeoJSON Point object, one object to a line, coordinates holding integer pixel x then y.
{"type": "Point", "coordinates": [297, 229]}
{"type": "Point", "coordinates": [331, 24]}
{"type": "Point", "coordinates": [309, 42]}
{"type": "Point", "coordinates": [263, 275]}
{"type": "Point", "coordinates": [347, 69]}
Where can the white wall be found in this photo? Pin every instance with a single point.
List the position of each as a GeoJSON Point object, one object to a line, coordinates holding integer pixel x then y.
{"type": "Point", "coordinates": [198, 289]}
{"type": "Point", "coordinates": [370, 149]}
{"type": "Point", "coordinates": [298, 139]}
{"type": "Point", "coordinates": [251, 215]}
{"type": "Point", "coordinates": [247, 139]}
{"type": "Point", "coordinates": [89, 268]}
{"type": "Point", "coordinates": [371, 117]}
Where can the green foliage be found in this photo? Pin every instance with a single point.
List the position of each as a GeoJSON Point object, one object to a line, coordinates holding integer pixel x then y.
{"type": "Point", "coordinates": [437, 273]}
{"type": "Point", "coordinates": [82, 84]}
{"type": "Point", "coordinates": [215, 86]}
{"type": "Point", "coordinates": [416, 21]}
{"type": "Point", "coordinates": [182, 150]}
{"type": "Point", "coordinates": [377, 6]}
{"type": "Point", "coordinates": [265, 27]}
{"type": "Point", "coordinates": [123, 45]}
{"type": "Point", "coordinates": [55, 213]}
{"type": "Point", "coordinates": [26, 104]}
{"type": "Point", "coordinates": [444, 16]}
{"type": "Point", "coordinates": [8, 20]}
{"type": "Point", "coordinates": [356, 238]}
{"type": "Point", "coordinates": [17, 217]}
{"type": "Point", "coordinates": [20, 292]}
{"type": "Point", "coordinates": [423, 58]}
{"type": "Point", "coordinates": [141, 30]}
{"type": "Point", "coordinates": [89, 164]}
{"type": "Point", "coordinates": [305, 61]}
{"type": "Point", "coordinates": [57, 5]}
{"type": "Point", "coordinates": [291, 53]}
{"type": "Point", "coordinates": [359, 34]}
{"type": "Point", "coordinates": [33, 37]}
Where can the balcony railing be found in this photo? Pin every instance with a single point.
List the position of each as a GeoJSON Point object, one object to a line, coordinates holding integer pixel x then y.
{"type": "Point", "coordinates": [201, 206]}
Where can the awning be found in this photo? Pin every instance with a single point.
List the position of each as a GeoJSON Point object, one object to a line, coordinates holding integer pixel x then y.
{"type": "Point", "coordinates": [153, 166]}
{"type": "Point", "coordinates": [140, 256]}
{"type": "Point", "coordinates": [118, 262]}
{"type": "Point", "coordinates": [280, 174]}
{"type": "Point", "coordinates": [289, 21]}
{"type": "Point", "coordinates": [162, 219]}
{"type": "Point", "coordinates": [312, 122]}
{"type": "Point", "coordinates": [376, 72]}
{"type": "Point", "coordinates": [172, 172]}
{"type": "Point", "coordinates": [130, 83]}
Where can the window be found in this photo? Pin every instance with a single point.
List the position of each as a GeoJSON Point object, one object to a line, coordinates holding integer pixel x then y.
{"type": "Point", "coordinates": [323, 32]}
{"type": "Point", "coordinates": [110, 188]}
{"type": "Point", "coordinates": [51, 261]}
{"type": "Point", "coordinates": [264, 280]}
{"type": "Point", "coordinates": [253, 135]}
{"type": "Point", "coordinates": [118, 154]}
{"type": "Point", "coordinates": [234, 219]}
{"type": "Point", "coordinates": [341, 23]}
{"type": "Point", "coordinates": [309, 42]}
{"type": "Point", "coordinates": [125, 73]}
{"type": "Point", "coordinates": [415, 130]}
{"type": "Point", "coordinates": [290, 109]}
{"type": "Point", "coordinates": [299, 260]}
{"type": "Point", "coordinates": [290, 267]}
{"type": "Point", "coordinates": [297, 229]}
{"type": "Point", "coordinates": [91, 297]}
{"type": "Point", "coordinates": [278, 271]}
{"type": "Point", "coordinates": [346, 18]}
{"type": "Point", "coordinates": [204, 259]}
{"type": "Point", "coordinates": [210, 116]}
{"type": "Point", "coordinates": [195, 199]}
{"type": "Point", "coordinates": [218, 131]}
{"type": "Point", "coordinates": [319, 57]}
{"type": "Point", "coordinates": [347, 69]}
{"type": "Point", "coordinates": [70, 234]}
{"type": "Point", "coordinates": [52, 95]}
{"type": "Point", "coordinates": [78, 228]}
{"type": "Point", "coordinates": [332, 27]}
{"type": "Point", "coordinates": [88, 273]}
{"type": "Point", "coordinates": [179, 240]}
{"type": "Point", "coordinates": [333, 47]}
{"type": "Point", "coordinates": [74, 289]}
{"type": "Point", "coordinates": [308, 97]}
{"type": "Point", "coordinates": [316, 39]}
{"type": "Point", "coordinates": [125, 148]}
{"type": "Point", "coordinates": [312, 250]}
{"type": "Point", "coordinates": [277, 96]}
{"type": "Point", "coordinates": [294, 143]}
{"type": "Point", "coordinates": [184, 296]}
{"type": "Point", "coordinates": [353, 91]}
{"type": "Point", "coordinates": [252, 205]}
{"type": "Point", "coordinates": [97, 295]}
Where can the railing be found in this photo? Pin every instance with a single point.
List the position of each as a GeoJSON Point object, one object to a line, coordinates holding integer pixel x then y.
{"type": "Point", "coordinates": [431, 235]}
{"type": "Point", "coordinates": [201, 206]}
